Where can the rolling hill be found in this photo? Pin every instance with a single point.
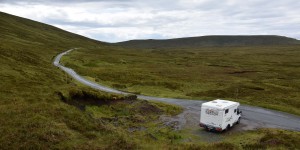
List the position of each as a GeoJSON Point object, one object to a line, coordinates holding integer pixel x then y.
{"type": "Point", "coordinates": [43, 108]}
{"type": "Point", "coordinates": [211, 41]}
{"type": "Point", "coordinates": [31, 113]}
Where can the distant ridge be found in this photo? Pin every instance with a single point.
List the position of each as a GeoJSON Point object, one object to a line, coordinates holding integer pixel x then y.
{"type": "Point", "coordinates": [211, 41]}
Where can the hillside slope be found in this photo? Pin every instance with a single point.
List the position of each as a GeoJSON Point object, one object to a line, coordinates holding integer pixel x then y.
{"type": "Point", "coordinates": [27, 49]}
{"type": "Point", "coordinates": [43, 108]}
{"type": "Point", "coordinates": [31, 113]}
{"type": "Point", "coordinates": [210, 41]}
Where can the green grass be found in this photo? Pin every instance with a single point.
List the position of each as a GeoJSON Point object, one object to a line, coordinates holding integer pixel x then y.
{"type": "Point", "coordinates": [42, 108]}
{"type": "Point", "coordinates": [135, 121]}
{"type": "Point", "coordinates": [266, 139]}
{"type": "Point", "coordinates": [266, 76]}
{"type": "Point", "coordinates": [32, 115]}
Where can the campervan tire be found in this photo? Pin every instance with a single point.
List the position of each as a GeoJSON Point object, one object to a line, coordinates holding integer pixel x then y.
{"type": "Point", "coordinates": [238, 121]}
{"type": "Point", "coordinates": [228, 127]}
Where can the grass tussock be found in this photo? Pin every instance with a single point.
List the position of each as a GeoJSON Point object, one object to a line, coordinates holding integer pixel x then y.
{"type": "Point", "coordinates": [96, 95]}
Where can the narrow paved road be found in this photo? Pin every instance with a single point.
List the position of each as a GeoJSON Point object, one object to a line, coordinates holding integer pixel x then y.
{"type": "Point", "coordinates": [253, 117]}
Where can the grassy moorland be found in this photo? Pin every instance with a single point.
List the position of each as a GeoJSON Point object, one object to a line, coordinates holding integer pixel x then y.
{"type": "Point", "coordinates": [43, 108]}
{"type": "Point", "coordinates": [266, 76]}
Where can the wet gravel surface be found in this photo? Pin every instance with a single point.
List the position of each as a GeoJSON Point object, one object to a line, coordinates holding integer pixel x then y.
{"type": "Point", "coordinates": [252, 117]}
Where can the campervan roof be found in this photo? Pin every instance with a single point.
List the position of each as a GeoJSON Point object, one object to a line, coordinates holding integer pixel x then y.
{"type": "Point", "coordinates": [220, 104]}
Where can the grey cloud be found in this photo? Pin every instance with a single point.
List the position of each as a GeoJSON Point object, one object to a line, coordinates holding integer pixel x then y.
{"type": "Point", "coordinates": [57, 1]}
{"type": "Point", "coordinates": [115, 38]}
{"type": "Point", "coordinates": [173, 18]}
{"type": "Point", "coordinates": [89, 24]}
{"type": "Point", "coordinates": [118, 3]}
{"type": "Point", "coordinates": [154, 22]}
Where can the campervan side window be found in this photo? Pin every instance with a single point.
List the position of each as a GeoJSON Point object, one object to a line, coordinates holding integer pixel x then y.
{"type": "Point", "coordinates": [226, 111]}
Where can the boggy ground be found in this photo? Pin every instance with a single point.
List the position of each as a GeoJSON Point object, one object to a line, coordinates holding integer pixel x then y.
{"type": "Point", "coordinates": [192, 134]}
{"type": "Point", "coordinates": [266, 76]}
{"type": "Point", "coordinates": [135, 120]}
{"type": "Point", "coordinates": [149, 125]}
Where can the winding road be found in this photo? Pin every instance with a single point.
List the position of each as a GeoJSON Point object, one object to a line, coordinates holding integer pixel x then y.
{"type": "Point", "coordinates": [253, 117]}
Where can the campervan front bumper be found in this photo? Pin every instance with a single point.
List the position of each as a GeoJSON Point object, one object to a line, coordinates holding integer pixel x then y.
{"type": "Point", "coordinates": [210, 128]}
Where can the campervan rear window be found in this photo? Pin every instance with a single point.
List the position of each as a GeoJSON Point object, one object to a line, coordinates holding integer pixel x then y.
{"type": "Point", "coordinates": [212, 112]}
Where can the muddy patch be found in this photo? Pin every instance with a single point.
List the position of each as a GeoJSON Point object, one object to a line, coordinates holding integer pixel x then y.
{"type": "Point", "coordinates": [243, 72]}
{"type": "Point", "coordinates": [147, 108]}
{"type": "Point", "coordinates": [82, 98]}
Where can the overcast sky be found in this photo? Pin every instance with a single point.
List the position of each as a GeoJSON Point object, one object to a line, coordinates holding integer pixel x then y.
{"type": "Point", "coordinates": [119, 20]}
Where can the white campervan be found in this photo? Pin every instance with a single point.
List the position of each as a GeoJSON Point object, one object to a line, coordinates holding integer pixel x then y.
{"type": "Point", "coordinates": [219, 115]}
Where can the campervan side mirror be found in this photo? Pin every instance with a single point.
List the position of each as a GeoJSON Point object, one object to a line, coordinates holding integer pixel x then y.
{"type": "Point", "coordinates": [239, 112]}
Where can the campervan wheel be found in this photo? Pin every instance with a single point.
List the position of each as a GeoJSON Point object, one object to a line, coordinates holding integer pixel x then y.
{"type": "Point", "coordinates": [228, 127]}
{"type": "Point", "coordinates": [238, 121]}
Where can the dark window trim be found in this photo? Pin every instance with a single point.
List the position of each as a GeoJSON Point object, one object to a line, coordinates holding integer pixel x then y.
{"type": "Point", "coordinates": [226, 111]}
